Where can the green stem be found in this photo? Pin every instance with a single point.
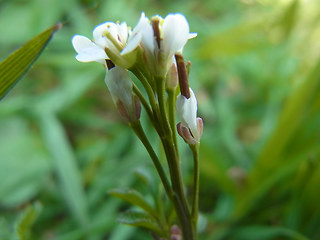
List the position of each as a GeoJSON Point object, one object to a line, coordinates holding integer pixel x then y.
{"type": "Point", "coordinates": [195, 199]}
{"type": "Point", "coordinates": [172, 119]}
{"type": "Point", "coordinates": [137, 128]}
{"type": "Point", "coordinates": [144, 102]}
{"type": "Point", "coordinates": [180, 201]}
{"type": "Point", "coordinates": [160, 82]}
{"type": "Point", "coordinates": [147, 87]}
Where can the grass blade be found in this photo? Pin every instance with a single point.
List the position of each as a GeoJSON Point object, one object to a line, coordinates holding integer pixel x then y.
{"type": "Point", "coordinates": [18, 63]}
{"type": "Point", "coordinates": [65, 164]}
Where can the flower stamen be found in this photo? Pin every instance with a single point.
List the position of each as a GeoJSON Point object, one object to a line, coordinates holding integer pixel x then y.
{"type": "Point", "coordinates": [114, 41]}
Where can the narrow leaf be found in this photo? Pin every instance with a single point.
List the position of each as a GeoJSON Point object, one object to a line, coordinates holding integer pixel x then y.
{"type": "Point", "coordinates": [66, 167]}
{"type": "Point", "coordinates": [140, 219]}
{"type": "Point", "coordinates": [26, 221]}
{"type": "Point", "coordinates": [18, 63]}
{"type": "Point", "coordinates": [135, 198]}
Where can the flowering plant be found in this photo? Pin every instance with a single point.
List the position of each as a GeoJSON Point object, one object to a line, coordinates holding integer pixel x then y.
{"type": "Point", "coordinates": [152, 51]}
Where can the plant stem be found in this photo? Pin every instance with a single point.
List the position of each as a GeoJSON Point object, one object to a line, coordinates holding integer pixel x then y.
{"type": "Point", "coordinates": [195, 199]}
{"type": "Point", "coordinates": [172, 119]}
{"type": "Point", "coordinates": [160, 82]}
{"type": "Point", "coordinates": [143, 101]}
{"type": "Point", "coordinates": [180, 201]}
{"type": "Point", "coordinates": [148, 89]}
{"type": "Point", "coordinates": [137, 128]}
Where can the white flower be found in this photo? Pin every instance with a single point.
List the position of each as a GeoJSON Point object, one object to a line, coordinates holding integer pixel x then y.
{"type": "Point", "coordinates": [109, 40]}
{"type": "Point", "coordinates": [116, 42]}
{"type": "Point", "coordinates": [175, 34]}
{"type": "Point", "coordinates": [162, 41]}
{"type": "Point", "coordinates": [120, 86]}
{"type": "Point", "coordinates": [190, 127]}
{"type": "Point", "coordinates": [141, 33]}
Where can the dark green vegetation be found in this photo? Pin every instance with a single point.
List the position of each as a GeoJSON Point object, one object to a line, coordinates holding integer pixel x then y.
{"type": "Point", "coordinates": [256, 72]}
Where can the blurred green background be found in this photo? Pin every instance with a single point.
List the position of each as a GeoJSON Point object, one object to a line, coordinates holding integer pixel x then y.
{"type": "Point", "coordinates": [256, 74]}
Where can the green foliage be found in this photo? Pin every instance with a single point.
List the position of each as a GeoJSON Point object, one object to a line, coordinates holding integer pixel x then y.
{"type": "Point", "coordinates": [255, 71]}
{"type": "Point", "coordinates": [135, 198]}
{"type": "Point", "coordinates": [140, 219]}
{"type": "Point", "coordinates": [66, 168]}
{"type": "Point", "coordinates": [26, 221]}
{"type": "Point", "coordinates": [14, 66]}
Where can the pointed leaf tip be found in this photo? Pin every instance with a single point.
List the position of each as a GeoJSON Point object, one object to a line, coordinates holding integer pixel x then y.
{"type": "Point", "coordinates": [19, 62]}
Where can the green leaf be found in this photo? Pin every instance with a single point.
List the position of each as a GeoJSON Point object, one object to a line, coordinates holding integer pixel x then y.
{"type": "Point", "coordinates": [140, 219]}
{"type": "Point", "coordinates": [28, 217]}
{"type": "Point", "coordinates": [66, 167]}
{"type": "Point", "coordinates": [267, 232]}
{"type": "Point", "coordinates": [18, 63]}
{"type": "Point", "coordinates": [135, 198]}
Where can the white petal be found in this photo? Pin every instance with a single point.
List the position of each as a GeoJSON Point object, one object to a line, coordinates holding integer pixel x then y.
{"type": "Point", "coordinates": [103, 28]}
{"type": "Point", "coordinates": [101, 42]}
{"type": "Point", "coordinates": [175, 32]}
{"type": "Point", "coordinates": [123, 32]}
{"type": "Point", "coordinates": [139, 25]}
{"type": "Point", "coordinates": [90, 55]}
{"type": "Point", "coordinates": [93, 53]}
{"type": "Point", "coordinates": [120, 85]}
{"type": "Point", "coordinates": [145, 29]}
{"type": "Point", "coordinates": [132, 44]}
{"type": "Point", "coordinates": [80, 42]}
{"type": "Point", "coordinates": [148, 39]}
{"type": "Point", "coordinates": [187, 110]}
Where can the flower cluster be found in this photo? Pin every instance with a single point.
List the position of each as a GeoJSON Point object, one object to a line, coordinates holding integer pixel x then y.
{"type": "Point", "coordinates": [152, 51]}
{"type": "Point", "coordinates": [149, 51]}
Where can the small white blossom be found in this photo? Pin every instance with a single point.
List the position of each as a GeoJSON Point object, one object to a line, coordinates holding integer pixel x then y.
{"type": "Point", "coordinates": [120, 86]}
{"type": "Point", "coordinates": [190, 127]}
{"type": "Point", "coordinates": [118, 43]}
{"type": "Point", "coordinates": [141, 33]}
{"type": "Point", "coordinates": [109, 40]}
{"type": "Point", "coordinates": [173, 35]}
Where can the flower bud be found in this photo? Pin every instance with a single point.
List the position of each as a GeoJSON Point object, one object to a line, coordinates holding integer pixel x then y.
{"type": "Point", "coordinates": [191, 127]}
{"type": "Point", "coordinates": [172, 77]}
{"type": "Point", "coordinates": [186, 133]}
{"type": "Point", "coordinates": [175, 233]}
{"type": "Point", "coordinates": [120, 86]}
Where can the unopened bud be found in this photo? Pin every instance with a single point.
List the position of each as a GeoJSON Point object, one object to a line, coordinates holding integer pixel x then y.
{"type": "Point", "coordinates": [120, 86]}
{"type": "Point", "coordinates": [191, 127]}
{"type": "Point", "coordinates": [176, 233]}
{"type": "Point", "coordinates": [187, 135]}
{"type": "Point", "coordinates": [172, 77]}
{"type": "Point", "coordinates": [133, 113]}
